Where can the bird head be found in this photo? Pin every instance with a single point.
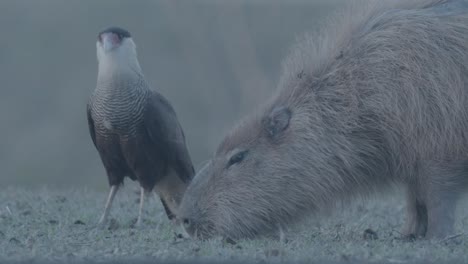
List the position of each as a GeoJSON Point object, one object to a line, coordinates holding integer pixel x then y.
{"type": "Point", "coordinates": [115, 45]}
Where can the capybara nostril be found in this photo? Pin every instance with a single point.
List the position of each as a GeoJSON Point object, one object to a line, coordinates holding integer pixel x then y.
{"type": "Point", "coordinates": [187, 223]}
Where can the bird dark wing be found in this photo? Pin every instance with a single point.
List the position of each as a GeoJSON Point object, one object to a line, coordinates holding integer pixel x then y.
{"type": "Point", "coordinates": [165, 132]}
{"type": "Point", "coordinates": [91, 124]}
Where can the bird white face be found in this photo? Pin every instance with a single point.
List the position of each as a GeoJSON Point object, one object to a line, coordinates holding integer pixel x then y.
{"type": "Point", "coordinates": [109, 44]}
{"type": "Point", "coordinates": [109, 41]}
{"type": "Point", "coordinates": [116, 50]}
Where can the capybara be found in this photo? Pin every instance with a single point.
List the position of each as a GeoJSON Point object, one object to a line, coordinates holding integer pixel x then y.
{"type": "Point", "coordinates": [378, 98]}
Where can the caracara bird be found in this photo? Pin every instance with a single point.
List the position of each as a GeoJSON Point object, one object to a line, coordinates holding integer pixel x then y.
{"type": "Point", "coordinates": [134, 128]}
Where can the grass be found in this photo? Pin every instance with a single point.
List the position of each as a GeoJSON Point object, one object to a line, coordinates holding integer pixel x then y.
{"type": "Point", "coordinates": [49, 224]}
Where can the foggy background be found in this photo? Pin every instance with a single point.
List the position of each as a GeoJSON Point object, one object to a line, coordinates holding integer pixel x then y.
{"type": "Point", "coordinates": [213, 60]}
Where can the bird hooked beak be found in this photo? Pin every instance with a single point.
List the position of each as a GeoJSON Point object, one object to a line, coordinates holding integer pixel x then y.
{"type": "Point", "coordinates": [109, 41]}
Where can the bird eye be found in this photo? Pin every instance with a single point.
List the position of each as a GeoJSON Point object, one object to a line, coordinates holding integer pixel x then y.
{"type": "Point", "coordinates": [237, 158]}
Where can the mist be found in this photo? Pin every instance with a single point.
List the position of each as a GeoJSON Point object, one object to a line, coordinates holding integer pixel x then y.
{"type": "Point", "coordinates": [215, 61]}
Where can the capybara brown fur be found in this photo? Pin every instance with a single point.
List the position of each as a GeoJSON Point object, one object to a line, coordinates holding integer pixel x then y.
{"type": "Point", "coordinates": [377, 98]}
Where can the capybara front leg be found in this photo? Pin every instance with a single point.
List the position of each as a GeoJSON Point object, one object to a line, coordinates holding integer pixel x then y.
{"type": "Point", "coordinates": [416, 215]}
{"type": "Point", "coordinates": [441, 214]}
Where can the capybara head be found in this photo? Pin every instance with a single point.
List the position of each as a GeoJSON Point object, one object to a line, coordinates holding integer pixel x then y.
{"type": "Point", "coordinates": [254, 182]}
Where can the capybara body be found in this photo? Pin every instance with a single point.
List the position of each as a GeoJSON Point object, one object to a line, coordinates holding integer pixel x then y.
{"type": "Point", "coordinates": [378, 98]}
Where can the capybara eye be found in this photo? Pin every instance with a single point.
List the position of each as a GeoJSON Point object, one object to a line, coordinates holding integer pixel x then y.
{"type": "Point", "coordinates": [238, 157]}
{"type": "Point", "coordinates": [186, 222]}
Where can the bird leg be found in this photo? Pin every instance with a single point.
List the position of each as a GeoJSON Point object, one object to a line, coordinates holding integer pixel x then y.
{"type": "Point", "coordinates": [168, 212]}
{"type": "Point", "coordinates": [140, 211]}
{"type": "Point", "coordinates": [110, 198]}
{"type": "Point", "coordinates": [176, 226]}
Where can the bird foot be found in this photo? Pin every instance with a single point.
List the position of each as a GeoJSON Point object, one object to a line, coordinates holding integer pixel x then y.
{"type": "Point", "coordinates": [102, 224]}
{"type": "Point", "coordinates": [108, 225]}
{"type": "Point", "coordinates": [407, 237]}
{"type": "Point", "coordinates": [138, 224]}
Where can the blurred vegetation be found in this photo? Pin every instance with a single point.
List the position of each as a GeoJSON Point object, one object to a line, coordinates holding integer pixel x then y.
{"type": "Point", "coordinates": [214, 60]}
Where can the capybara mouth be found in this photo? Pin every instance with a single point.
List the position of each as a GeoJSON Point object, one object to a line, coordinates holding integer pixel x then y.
{"type": "Point", "coordinates": [199, 231]}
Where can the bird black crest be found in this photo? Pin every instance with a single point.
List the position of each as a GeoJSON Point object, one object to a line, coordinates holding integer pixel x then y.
{"type": "Point", "coordinates": [122, 33]}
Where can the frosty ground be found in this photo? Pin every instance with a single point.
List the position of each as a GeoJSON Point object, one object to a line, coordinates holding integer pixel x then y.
{"type": "Point", "coordinates": [52, 224]}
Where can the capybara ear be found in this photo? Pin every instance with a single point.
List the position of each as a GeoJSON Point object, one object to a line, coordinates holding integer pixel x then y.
{"type": "Point", "coordinates": [277, 121]}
